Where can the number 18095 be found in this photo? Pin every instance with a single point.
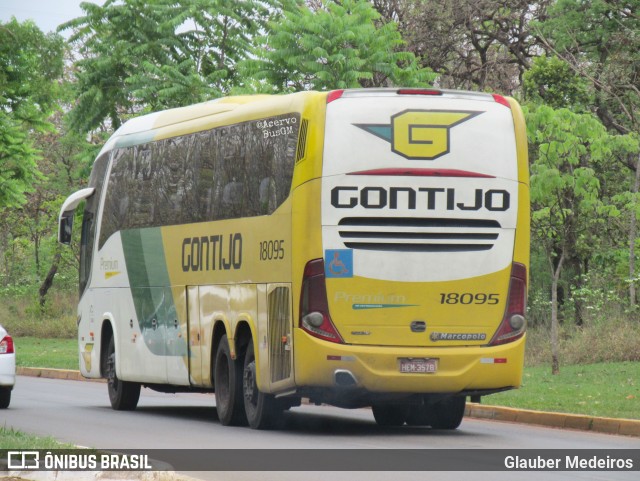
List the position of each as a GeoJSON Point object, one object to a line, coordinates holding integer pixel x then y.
{"type": "Point", "coordinates": [271, 250]}
{"type": "Point", "coordinates": [469, 298]}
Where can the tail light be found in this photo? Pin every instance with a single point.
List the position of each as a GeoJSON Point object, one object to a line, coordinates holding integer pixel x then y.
{"type": "Point", "coordinates": [314, 308]}
{"type": "Point", "coordinates": [514, 323]}
{"type": "Point", "coordinates": [6, 345]}
{"type": "Point", "coordinates": [501, 100]}
{"type": "Point", "coordinates": [334, 95]}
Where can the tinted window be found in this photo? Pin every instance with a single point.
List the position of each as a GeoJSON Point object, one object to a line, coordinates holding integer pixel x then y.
{"type": "Point", "coordinates": [88, 233]}
{"type": "Point", "coordinates": [240, 170]}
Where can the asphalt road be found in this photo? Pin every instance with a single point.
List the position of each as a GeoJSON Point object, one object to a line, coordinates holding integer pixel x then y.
{"type": "Point", "coordinates": [79, 413]}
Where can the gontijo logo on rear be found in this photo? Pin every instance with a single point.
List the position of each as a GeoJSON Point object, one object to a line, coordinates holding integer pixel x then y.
{"type": "Point", "coordinates": [420, 134]}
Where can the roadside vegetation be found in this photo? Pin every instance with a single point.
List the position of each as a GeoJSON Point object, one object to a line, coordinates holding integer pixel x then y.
{"type": "Point", "coordinates": [12, 439]}
{"type": "Point", "coordinates": [49, 353]}
{"type": "Point", "coordinates": [609, 389]}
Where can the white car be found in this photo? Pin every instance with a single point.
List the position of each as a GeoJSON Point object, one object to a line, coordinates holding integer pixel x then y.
{"type": "Point", "coordinates": [7, 368]}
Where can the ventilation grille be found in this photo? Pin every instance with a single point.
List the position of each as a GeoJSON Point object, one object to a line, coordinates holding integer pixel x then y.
{"type": "Point", "coordinates": [410, 234]}
{"type": "Point", "coordinates": [279, 322]}
{"type": "Point", "coordinates": [302, 140]}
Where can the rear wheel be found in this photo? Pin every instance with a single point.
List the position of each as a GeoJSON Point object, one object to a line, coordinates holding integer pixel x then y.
{"type": "Point", "coordinates": [389, 414]}
{"type": "Point", "coordinates": [228, 386]}
{"type": "Point", "coordinates": [5, 397]}
{"type": "Point", "coordinates": [448, 413]}
{"type": "Point", "coordinates": [262, 410]}
{"type": "Point", "coordinates": [123, 395]}
{"type": "Point", "coordinates": [420, 414]}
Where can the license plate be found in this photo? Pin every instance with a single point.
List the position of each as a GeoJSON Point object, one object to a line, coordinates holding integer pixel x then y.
{"type": "Point", "coordinates": [421, 366]}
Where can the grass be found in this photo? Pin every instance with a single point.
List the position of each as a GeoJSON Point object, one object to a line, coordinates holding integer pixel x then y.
{"type": "Point", "coordinates": [11, 439]}
{"type": "Point", "coordinates": [21, 315]}
{"type": "Point", "coordinates": [52, 353]}
{"type": "Point", "coordinates": [604, 389]}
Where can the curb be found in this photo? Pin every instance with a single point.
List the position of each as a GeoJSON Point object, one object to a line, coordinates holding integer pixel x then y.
{"type": "Point", "coordinates": [624, 427]}
{"type": "Point", "coordinates": [65, 374]}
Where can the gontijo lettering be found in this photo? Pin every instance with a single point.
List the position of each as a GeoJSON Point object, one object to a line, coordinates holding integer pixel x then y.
{"type": "Point", "coordinates": [211, 253]}
{"type": "Point", "coordinates": [429, 198]}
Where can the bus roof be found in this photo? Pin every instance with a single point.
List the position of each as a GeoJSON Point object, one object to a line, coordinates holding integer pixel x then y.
{"type": "Point", "coordinates": [201, 116]}
{"type": "Point", "coordinates": [226, 110]}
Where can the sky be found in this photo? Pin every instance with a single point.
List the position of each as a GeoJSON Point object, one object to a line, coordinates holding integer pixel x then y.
{"type": "Point", "coordinates": [47, 14]}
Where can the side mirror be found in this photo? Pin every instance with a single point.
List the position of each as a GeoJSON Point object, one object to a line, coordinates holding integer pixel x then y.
{"type": "Point", "coordinates": [65, 221]}
{"type": "Point", "coordinates": [66, 227]}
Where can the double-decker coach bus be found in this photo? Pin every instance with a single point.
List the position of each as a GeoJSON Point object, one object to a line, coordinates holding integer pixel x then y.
{"type": "Point", "coordinates": [354, 247]}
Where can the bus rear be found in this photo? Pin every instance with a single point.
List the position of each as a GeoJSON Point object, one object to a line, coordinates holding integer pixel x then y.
{"type": "Point", "coordinates": [425, 250]}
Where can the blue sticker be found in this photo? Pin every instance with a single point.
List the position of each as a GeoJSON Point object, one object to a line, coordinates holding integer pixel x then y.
{"type": "Point", "coordinates": [338, 262]}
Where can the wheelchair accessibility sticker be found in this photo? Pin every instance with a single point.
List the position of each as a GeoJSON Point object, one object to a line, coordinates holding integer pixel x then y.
{"type": "Point", "coordinates": [338, 263]}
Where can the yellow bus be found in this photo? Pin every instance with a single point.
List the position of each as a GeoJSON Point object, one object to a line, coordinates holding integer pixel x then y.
{"type": "Point", "coordinates": [364, 247]}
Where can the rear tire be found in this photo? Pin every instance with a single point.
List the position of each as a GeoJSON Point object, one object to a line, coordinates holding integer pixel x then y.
{"type": "Point", "coordinates": [448, 413]}
{"type": "Point", "coordinates": [263, 410]}
{"type": "Point", "coordinates": [389, 414]}
{"type": "Point", "coordinates": [5, 397]}
{"type": "Point", "coordinates": [123, 395]}
{"type": "Point", "coordinates": [420, 414]}
{"type": "Point", "coordinates": [228, 386]}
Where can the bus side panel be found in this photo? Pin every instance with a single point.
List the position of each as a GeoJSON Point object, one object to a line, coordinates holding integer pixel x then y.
{"type": "Point", "coordinates": [523, 231]}
{"type": "Point", "coordinates": [176, 337]}
{"type": "Point", "coordinates": [243, 309]}
{"type": "Point", "coordinates": [89, 336]}
{"type": "Point", "coordinates": [214, 307]}
{"type": "Point", "coordinates": [195, 336]}
{"type": "Point", "coordinates": [307, 245]}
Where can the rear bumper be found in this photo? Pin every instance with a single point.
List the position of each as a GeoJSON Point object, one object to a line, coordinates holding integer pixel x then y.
{"type": "Point", "coordinates": [7, 370]}
{"type": "Point", "coordinates": [376, 369]}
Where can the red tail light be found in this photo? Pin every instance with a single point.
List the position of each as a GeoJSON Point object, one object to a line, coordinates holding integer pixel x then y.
{"type": "Point", "coordinates": [501, 100]}
{"type": "Point", "coordinates": [334, 95]}
{"type": "Point", "coordinates": [6, 345]}
{"type": "Point", "coordinates": [314, 308]}
{"type": "Point", "coordinates": [514, 323]}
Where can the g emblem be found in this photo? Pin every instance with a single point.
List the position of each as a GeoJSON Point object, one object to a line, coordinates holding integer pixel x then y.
{"type": "Point", "coordinates": [420, 134]}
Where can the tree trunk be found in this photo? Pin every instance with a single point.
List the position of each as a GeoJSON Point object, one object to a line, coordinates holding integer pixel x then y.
{"type": "Point", "coordinates": [555, 357]}
{"type": "Point", "coordinates": [633, 232]}
{"type": "Point", "coordinates": [578, 283]}
{"type": "Point", "coordinates": [48, 281]}
{"type": "Point", "coordinates": [36, 252]}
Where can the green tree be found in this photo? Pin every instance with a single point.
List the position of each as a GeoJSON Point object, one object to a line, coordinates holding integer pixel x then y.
{"type": "Point", "coordinates": [30, 64]}
{"type": "Point", "coordinates": [553, 82]}
{"type": "Point", "coordinates": [568, 208]}
{"type": "Point", "coordinates": [138, 56]}
{"type": "Point", "coordinates": [599, 40]}
{"type": "Point", "coordinates": [335, 45]}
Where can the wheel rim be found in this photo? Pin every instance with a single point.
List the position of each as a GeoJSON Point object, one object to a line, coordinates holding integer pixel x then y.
{"type": "Point", "coordinates": [112, 380]}
{"type": "Point", "coordinates": [249, 385]}
{"type": "Point", "coordinates": [222, 381]}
